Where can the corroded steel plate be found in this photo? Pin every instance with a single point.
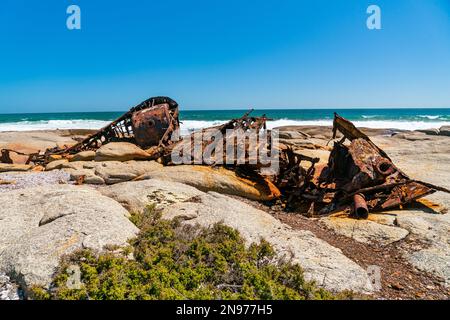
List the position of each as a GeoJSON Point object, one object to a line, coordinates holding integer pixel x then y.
{"type": "Point", "coordinates": [149, 125]}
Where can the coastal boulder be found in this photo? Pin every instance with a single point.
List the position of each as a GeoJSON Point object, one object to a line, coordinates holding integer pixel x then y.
{"type": "Point", "coordinates": [120, 151]}
{"type": "Point", "coordinates": [431, 132]}
{"type": "Point", "coordinates": [40, 225]}
{"type": "Point", "coordinates": [7, 167]}
{"type": "Point", "coordinates": [216, 179]}
{"type": "Point", "coordinates": [412, 136]}
{"type": "Point", "coordinates": [136, 195]}
{"type": "Point", "coordinates": [84, 156]}
{"type": "Point", "coordinates": [109, 172]}
{"type": "Point", "coordinates": [321, 262]}
{"type": "Point", "coordinates": [115, 172]}
{"type": "Point", "coordinates": [292, 135]}
{"type": "Point", "coordinates": [86, 175]}
{"type": "Point", "coordinates": [445, 131]}
{"type": "Point", "coordinates": [299, 143]}
{"type": "Point", "coordinates": [56, 164]}
{"type": "Point", "coordinates": [95, 180]}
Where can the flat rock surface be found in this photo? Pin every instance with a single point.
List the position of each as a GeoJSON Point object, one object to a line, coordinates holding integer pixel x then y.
{"type": "Point", "coordinates": [57, 164]}
{"type": "Point", "coordinates": [37, 140]}
{"type": "Point", "coordinates": [214, 179]}
{"type": "Point", "coordinates": [365, 231]}
{"type": "Point", "coordinates": [22, 180]}
{"type": "Point", "coordinates": [39, 225]}
{"type": "Point", "coordinates": [136, 195]}
{"type": "Point", "coordinates": [434, 231]}
{"type": "Point", "coordinates": [5, 167]}
{"type": "Point", "coordinates": [111, 172]}
{"type": "Point", "coordinates": [427, 161]}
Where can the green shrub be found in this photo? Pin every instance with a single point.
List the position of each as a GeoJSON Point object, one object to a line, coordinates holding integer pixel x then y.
{"type": "Point", "coordinates": [170, 261]}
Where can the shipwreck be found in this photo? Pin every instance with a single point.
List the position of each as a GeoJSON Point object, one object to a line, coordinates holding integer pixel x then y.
{"type": "Point", "coordinates": [359, 177]}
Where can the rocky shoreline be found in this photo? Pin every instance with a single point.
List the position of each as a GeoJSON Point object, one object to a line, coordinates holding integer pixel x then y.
{"type": "Point", "coordinates": [46, 215]}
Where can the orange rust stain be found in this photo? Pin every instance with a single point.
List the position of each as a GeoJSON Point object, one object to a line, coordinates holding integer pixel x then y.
{"type": "Point", "coordinates": [375, 218]}
{"type": "Point", "coordinates": [340, 215]}
{"type": "Point", "coordinates": [38, 169]}
{"type": "Point", "coordinates": [67, 244]}
{"type": "Point", "coordinates": [430, 204]}
{"type": "Point", "coordinates": [274, 191]}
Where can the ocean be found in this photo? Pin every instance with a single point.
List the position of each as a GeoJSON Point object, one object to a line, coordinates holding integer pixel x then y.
{"type": "Point", "coordinates": [406, 119]}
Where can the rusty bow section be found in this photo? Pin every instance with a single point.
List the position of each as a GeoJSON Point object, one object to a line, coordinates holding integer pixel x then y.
{"type": "Point", "coordinates": [150, 123]}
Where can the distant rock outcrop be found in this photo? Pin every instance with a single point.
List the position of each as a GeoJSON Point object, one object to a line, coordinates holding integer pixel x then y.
{"type": "Point", "coordinates": [445, 131]}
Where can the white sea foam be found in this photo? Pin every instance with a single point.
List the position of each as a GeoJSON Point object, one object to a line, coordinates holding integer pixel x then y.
{"type": "Point", "coordinates": [375, 124]}
{"type": "Point", "coordinates": [52, 125]}
{"type": "Point", "coordinates": [192, 125]}
{"type": "Point", "coordinates": [188, 126]}
{"type": "Point", "coordinates": [430, 117]}
{"type": "Point", "coordinates": [369, 117]}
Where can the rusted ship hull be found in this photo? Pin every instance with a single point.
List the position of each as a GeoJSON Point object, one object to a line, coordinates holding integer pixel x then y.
{"type": "Point", "coordinates": [359, 176]}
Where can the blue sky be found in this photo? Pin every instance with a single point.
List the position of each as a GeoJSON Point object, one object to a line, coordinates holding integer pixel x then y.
{"type": "Point", "coordinates": [223, 54]}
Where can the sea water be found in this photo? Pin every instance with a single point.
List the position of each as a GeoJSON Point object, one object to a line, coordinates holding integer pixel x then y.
{"type": "Point", "coordinates": [406, 119]}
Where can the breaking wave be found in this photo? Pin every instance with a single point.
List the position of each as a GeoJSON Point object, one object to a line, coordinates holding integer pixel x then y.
{"type": "Point", "coordinates": [188, 126]}
{"type": "Point", "coordinates": [192, 125]}
{"type": "Point", "coordinates": [52, 125]}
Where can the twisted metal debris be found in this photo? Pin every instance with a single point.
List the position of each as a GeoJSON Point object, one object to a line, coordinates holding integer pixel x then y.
{"type": "Point", "coordinates": [192, 149]}
{"type": "Point", "coordinates": [359, 177]}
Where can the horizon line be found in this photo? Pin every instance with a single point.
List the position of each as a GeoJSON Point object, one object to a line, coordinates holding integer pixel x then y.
{"type": "Point", "coordinates": [240, 109]}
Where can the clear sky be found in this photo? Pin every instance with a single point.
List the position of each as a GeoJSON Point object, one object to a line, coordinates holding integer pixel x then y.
{"type": "Point", "coordinates": [223, 54]}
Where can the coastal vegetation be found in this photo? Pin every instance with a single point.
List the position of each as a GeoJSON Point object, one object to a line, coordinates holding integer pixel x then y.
{"type": "Point", "coordinates": [170, 261]}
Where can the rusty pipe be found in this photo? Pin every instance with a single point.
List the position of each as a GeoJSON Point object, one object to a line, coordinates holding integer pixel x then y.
{"type": "Point", "coordinates": [385, 167]}
{"type": "Point", "coordinates": [361, 209]}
